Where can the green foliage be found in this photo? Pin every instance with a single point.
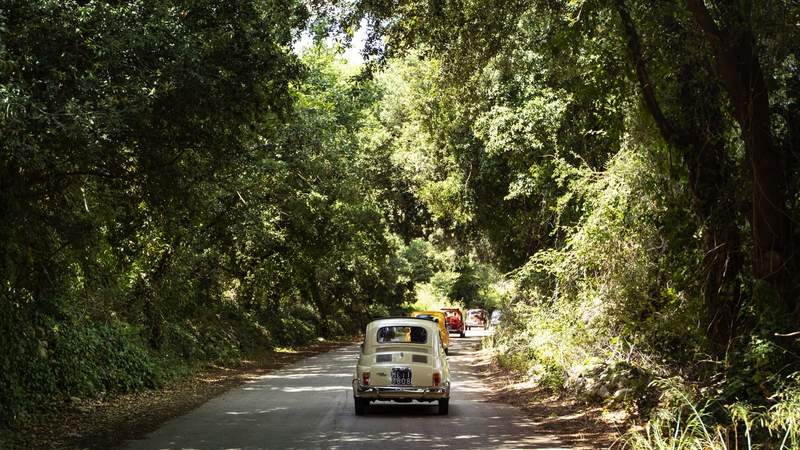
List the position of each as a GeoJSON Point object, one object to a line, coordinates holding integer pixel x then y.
{"type": "Point", "coordinates": [295, 327]}
{"type": "Point", "coordinates": [101, 358]}
{"type": "Point", "coordinates": [410, 126]}
{"type": "Point", "coordinates": [178, 203]}
{"type": "Point", "coordinates": [626, 227]}
{"type": "Point", "coordinates": [609, 293]}
{"type": "Point", "coordinates": [783, 417]}
{"type": "Point", "coordinates": [543, 343]}
{"type": "Point", "coordinates": [73, 359]}
{"type": "Point", "coordinates": [421, 257]}
{"type": "Point", "coordinates": [684, 424]}
{"type": "Point", "coordinates": [178, 186]}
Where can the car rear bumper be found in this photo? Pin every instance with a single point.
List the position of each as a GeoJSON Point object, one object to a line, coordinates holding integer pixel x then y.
{"type": "Point", "coordinates": [401, 392]}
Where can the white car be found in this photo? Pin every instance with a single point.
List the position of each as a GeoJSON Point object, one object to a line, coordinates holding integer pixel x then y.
{"type": "Point", "coordinates": [495, 319]}
{"type": "Point", "coordinates": [476, 318]}
{"type": "Point", "coordinates": [402, 360]}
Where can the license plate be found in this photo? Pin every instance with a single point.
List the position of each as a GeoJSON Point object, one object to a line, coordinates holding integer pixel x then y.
{"type": "Point", "coordinates": [401, 377]}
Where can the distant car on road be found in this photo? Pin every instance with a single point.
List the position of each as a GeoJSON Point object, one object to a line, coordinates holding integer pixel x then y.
{"type": "Point", "coordinates": [454, 320]}
{"type": "Point", "coordinates": [495, 319]}
{"type": "Point", "coordinates": [402, 360]}
{"type": "Point", "coordinates": [476, 318]}
{"type": "Point", "coordinates": [440, 319]}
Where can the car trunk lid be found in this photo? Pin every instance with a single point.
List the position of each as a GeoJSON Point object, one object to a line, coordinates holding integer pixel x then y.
{"type": "Point", "coordinates": [388, 360]}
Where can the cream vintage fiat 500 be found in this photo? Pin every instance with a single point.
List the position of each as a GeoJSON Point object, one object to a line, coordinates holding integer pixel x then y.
{"type": "Point", "coordinates": [402, 360]}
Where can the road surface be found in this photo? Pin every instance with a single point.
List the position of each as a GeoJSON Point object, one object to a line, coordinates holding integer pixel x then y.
{"type": "Point", "coordinates": [310, 405]}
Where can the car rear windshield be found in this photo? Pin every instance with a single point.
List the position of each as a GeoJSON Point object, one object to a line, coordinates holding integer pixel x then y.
{"type": "Point", "coordinates": [405, 334]}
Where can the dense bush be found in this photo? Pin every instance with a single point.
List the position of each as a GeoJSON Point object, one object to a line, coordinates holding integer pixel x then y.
{"type": "Point", "coordinates": [74, 359]}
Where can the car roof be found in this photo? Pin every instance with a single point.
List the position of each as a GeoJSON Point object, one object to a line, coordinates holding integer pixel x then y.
{"type": "Point", "coordinates": [402, 321]}
{"type": "Point", "coordinates": [429, 312]}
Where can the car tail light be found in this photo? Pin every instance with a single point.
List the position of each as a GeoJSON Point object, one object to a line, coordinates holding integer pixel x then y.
{"type": "Point", "coordinates": [437, 379]}
{"type": "Point", "coordinates": [365, 378]}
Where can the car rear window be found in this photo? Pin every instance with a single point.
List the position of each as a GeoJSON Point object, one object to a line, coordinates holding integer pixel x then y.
{"type": "Point", "coordinates": [404, 334]}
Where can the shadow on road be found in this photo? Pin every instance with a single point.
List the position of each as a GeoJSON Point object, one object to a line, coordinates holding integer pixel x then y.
{"type": "Point", "coordinates": [310, 405]}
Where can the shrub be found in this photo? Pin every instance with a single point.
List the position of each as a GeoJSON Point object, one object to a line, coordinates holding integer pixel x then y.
{"type": "Point", "coordinates": [74, 359]}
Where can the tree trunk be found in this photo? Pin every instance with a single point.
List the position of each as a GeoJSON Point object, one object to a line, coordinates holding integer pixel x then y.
{"type": "Point", "coordinates": [740, 71]}
{"type": "Point", "coordinates": [323, 308]}
{"type": "Point", "coordinates": [146, 290]}
{"type": "Point", "coordinates": [698, 139]}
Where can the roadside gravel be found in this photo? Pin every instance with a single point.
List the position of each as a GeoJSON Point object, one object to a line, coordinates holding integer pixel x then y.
{"type": "Point", "coordinates": [573, 421]}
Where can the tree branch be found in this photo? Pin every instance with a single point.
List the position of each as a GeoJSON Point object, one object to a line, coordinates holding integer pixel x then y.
{"type": "Point", "coordinates": [668, 131]}
{"type": "Point", "coordinates": [726, 62]}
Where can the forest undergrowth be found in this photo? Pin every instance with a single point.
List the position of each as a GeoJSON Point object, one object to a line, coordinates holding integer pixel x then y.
{"type": "Point", "coordinates": [581, 322]}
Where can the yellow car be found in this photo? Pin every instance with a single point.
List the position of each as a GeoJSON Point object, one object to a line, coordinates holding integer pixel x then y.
{"type": "Point", "coordinates": [439, 316]}
{"type": "Point", "coordinates": [401, 360]}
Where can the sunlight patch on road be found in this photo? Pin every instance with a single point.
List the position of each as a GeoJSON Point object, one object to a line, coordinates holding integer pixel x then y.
{"type": "Point", "coordinates": [258, 411]}
{"type": "Point", "coordinates": [316, 389]}
{"type": "Point", "coordinates": [299, 376]}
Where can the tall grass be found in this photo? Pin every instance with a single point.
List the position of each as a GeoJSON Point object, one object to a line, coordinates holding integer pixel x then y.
{"type": "Point", "coordinates": [687, 426]}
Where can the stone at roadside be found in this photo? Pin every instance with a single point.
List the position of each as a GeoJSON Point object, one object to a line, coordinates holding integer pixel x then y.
{"type": "Point", "coordinates": [621, 394]}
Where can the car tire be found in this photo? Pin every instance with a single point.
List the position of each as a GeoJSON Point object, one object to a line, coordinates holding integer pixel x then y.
{"type": "Point", "coordinates": [463, 334]}
{"type": "Point", "coordinates": [444, 406]}
{"type": "Point", "coordinates": [361, 405]}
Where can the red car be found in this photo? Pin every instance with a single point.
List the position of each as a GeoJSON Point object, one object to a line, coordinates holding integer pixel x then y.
{"type": "Point", "coordinates": [454, 320]}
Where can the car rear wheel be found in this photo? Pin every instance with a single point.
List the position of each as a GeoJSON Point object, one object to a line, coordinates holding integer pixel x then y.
{"type": "Point", "coordinates": [444, 406]}
{"type": "Point", "coordinates": [361, 405]}
{"type": "Point", "coordinates": [462, 334]}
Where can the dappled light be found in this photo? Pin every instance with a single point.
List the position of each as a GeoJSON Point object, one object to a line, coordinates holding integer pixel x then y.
{"type": "Point", "coordinates": [603, 195]}
{"type": "Point", "coordinates": [299, 407]}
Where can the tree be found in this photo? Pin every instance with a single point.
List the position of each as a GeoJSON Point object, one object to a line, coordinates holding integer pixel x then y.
{"type": "Point", "coordinates": [733, 41]}
{"type": "Point", "coordinates": [693, 54]}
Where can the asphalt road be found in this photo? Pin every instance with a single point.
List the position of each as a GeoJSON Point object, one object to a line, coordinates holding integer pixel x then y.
{"type": "Point", "coordinates": [310, 405]}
